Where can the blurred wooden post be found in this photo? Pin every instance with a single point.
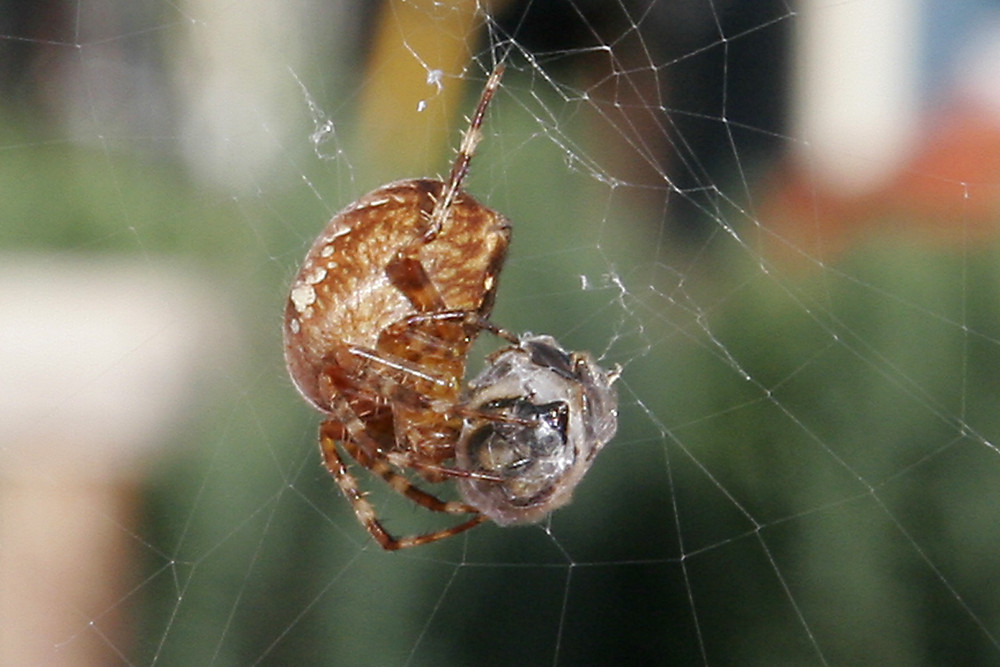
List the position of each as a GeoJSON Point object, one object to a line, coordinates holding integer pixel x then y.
{"type": "Point", "coordinates": [97, 360]}
{"type": "Point", "coordinates": [408, 117]}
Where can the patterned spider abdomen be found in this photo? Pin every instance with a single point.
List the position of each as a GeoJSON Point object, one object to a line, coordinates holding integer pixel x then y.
{"type": "Point", "coordinates": [344, 294]}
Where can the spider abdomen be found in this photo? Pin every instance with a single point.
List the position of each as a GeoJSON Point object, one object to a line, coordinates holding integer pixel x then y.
{"type": "Point", "coordinates": [343, 294]}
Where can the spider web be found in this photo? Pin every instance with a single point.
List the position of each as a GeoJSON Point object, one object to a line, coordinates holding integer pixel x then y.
{"type": "Point", "coordinates": [807, 463]}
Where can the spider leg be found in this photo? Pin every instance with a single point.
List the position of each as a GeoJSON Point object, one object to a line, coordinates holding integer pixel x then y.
{"type": "Point", "coordinates": [407, 274]}
{"type": "Point", "coordinates": [404, 460]}
{"type": "Point", "coordinates": [470, 319]}
{"type": "Point", "coordinates": [354, 434]}
{"type": "Point", "coordinates": [385, 375]}
{"type": "Point", "coordinates": [441, 335]}
{"type": "Point", "coordinates": [409, 387]}
{"type": "Point", "coordinates": [400, 484]}
{"type": "Point", "coordinates": [407, 350]}
{"type": "Point", "coordinates": [360, 379]}
{"type": "Point", "coordinates": [470, 139]}
{"type": "Point", "coordinates": [363, 509]}
{"type": "Point", "coordinates": [436, 336]}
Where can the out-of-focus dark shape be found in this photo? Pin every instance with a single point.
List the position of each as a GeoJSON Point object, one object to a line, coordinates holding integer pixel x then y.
{"type": "Point", "coordinates": [680, 105]}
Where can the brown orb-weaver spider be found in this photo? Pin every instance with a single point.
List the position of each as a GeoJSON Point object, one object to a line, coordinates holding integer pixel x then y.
{"type": "Point", "coordinates": [378, 325]}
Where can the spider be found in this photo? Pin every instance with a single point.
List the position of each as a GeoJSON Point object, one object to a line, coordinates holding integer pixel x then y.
{"type": "Point", "coordinates": [377, 329]}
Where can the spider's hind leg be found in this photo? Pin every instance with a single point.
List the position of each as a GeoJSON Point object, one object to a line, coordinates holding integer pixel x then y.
{"type": "Point", "coordinates": [403, 486]}
{"type": "Point", "coordinates": [333, 431]}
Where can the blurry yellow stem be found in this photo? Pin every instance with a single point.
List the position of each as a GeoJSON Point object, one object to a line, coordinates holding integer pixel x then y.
{"type": "Point", "coordinates": [406, 118]}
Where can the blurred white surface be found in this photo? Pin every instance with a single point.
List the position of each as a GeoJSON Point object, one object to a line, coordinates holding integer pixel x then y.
{"type": "Point", "coordinates": [100, 358]}
{"type": "Point", "coordinates": [855, 106]}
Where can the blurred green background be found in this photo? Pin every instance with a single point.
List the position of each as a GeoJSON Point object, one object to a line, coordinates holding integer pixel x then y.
{"type": "Point", "coordinates": [806, 469]}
